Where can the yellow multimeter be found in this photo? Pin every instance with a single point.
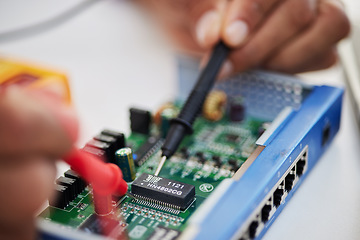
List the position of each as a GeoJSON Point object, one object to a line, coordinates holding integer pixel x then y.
{"type": "Point", "coordinates": [28, 75]}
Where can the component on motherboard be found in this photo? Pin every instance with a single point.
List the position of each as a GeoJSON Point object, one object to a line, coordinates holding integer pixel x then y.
{"type": "Point", "coordinates": [120, 137]}
{"type": "Point", "coordinates": [214, 105]}
{"type": "Point", "coordinates": [149, 147]}
{"type": "Point", "coordinates": [163, 191]}
{"type": "Point", "coordinates": [167, 106]}
{"type": "Point", "coordinates": [166, 116]}
{"type": "Point", "coordinates": [61, 199]}
{"type": "Point", "coordinates": [70, 183]}
{"type": "Point", "coordinates": [108, 152]}
{"type": "Point", "coordinates": [140, 121]}
{"type": "Point", "coordinates": [124, 159]}
{"type": "Point", "coordinates": [80, 184]}
{"type": "Point", "coordinates": [237, 109]}
{"type": "Point", "coordinates": [111, 142]}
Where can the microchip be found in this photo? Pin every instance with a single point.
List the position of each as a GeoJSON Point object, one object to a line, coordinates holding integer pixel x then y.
{"type": "Point", "coordinates": [146, 150]}
{"type": "Point", "coordinates": [140, 121]}
{"type": "Point", "coordinates": [163, 191]}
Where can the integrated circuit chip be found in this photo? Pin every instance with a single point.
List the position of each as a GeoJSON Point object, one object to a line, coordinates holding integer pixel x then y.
{"type": "Point", "coordinates": [163, 191]}
{"type": "Point", "coordinates": [147, 149]}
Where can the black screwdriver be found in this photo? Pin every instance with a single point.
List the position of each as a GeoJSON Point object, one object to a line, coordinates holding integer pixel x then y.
{"type": "Point", "coordinates": [182, 125]}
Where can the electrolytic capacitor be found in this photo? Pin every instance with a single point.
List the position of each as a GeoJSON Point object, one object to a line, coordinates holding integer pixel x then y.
{"type": "Point", "coordinates": [124, 159]}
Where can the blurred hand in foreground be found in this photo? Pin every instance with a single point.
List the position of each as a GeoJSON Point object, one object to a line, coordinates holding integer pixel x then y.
{"type": "Point", "coordinates": [290, 36]}
{"type": "Point", "coordinates": [36, 128]}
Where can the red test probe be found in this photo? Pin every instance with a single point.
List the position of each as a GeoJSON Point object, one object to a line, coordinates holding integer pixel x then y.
{"type": "Point", "coordinates": [106, 179]}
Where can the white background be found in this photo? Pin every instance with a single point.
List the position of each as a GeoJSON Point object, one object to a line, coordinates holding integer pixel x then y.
{"type": "Point", "coordinates": [115, 58]}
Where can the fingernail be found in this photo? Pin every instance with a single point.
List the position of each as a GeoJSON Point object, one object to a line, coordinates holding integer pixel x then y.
{"type": "Point", "coordinates": [236, 32]}
{"type": "Point", "coordinates": [226, 70]}
{"type": "Point", "coordinates": [338, 4]}
{"type": "Point", "coordinates": [313, 5]}
{"type": "Point", "coordinates": [208, 28]}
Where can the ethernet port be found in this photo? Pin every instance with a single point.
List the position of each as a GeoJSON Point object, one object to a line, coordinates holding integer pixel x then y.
{"type": "Point", "coordinates": [300, 165]}
{"type": "Point", "coordinates": [252, 229]}
{"type": "Point", "coordinates": [277, 196]}
{"type": "Point", "coordinates": [289, 180]}
{"type": "Point", "coordinates": [265, 213]}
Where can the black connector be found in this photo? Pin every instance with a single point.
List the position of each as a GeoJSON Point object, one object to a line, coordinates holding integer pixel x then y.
{"type": "Point", "coordinates": [252, 229]}
{"type": "Point", "coordinates": [300, 166]}
{"type": "Point", "coordinates": [277, 196]}
{"type": "Point", "coordinates": [289, 180]}
{"type": "Point", "coordinates": [265, 213]}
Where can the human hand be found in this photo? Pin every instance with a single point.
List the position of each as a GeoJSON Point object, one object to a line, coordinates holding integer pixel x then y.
{"type": "Point", "coordinates": [36, 128]}
{"type": "Point", "coordinates": [283, 35]}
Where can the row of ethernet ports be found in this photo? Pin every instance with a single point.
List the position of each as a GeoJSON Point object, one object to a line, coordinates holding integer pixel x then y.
{"type": "Point", "coordinates": [276, 196]}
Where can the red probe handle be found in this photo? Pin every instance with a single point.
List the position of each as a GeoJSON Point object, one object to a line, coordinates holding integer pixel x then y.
{"type": "Point", "coordinates": [105, 178]}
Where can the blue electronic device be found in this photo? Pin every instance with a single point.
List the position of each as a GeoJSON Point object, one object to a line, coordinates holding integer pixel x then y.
{"type": "Point", "coordinates": [304, 120]}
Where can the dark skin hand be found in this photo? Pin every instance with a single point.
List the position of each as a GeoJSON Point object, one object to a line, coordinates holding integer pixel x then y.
{"type": "Point", "coordinates": [290, 36]}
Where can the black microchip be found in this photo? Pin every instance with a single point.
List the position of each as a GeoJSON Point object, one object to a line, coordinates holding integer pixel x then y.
{"type": "Point", "coordinates": [140, 120]}
{"type": "Point", "coordinates": [161, 233]}
{"type": "Point", "coordinates": [145, 151]}
{"type": "Point", "coordinates": [164, 191]}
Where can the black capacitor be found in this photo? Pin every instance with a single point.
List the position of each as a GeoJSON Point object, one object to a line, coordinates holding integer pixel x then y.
{"type": "Point", "coordinates": [237, 109]}
{"type": "Point", "coordinates": [120, 138]}
{"type": "Point", "coordinates": [70, 183]}
{"type": "Point", "coordinates": [80, 184]}
{"type": "Point", "coordinates": [140, 121]}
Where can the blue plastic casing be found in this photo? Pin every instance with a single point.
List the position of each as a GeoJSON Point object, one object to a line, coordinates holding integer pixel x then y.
{"type": "Point", "coordinates": [303, 133]}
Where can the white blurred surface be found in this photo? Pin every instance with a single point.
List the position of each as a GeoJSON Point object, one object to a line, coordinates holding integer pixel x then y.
{"type": "Point", "coordinates": [116, 59]}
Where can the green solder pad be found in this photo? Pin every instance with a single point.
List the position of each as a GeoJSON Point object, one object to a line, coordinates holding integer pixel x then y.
{"type": "Point", "coordinates": [213, 153]}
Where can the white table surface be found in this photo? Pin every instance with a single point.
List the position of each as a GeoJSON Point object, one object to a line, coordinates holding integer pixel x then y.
{"type": "Point", "coordinates": [116, 59]}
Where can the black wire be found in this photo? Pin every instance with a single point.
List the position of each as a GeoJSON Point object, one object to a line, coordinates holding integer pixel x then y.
{"type": "Point", "coordinates": [46, 25]}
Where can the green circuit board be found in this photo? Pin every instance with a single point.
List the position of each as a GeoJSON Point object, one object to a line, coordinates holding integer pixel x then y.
{"type": "Point", "coordinates": [211, 154]}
